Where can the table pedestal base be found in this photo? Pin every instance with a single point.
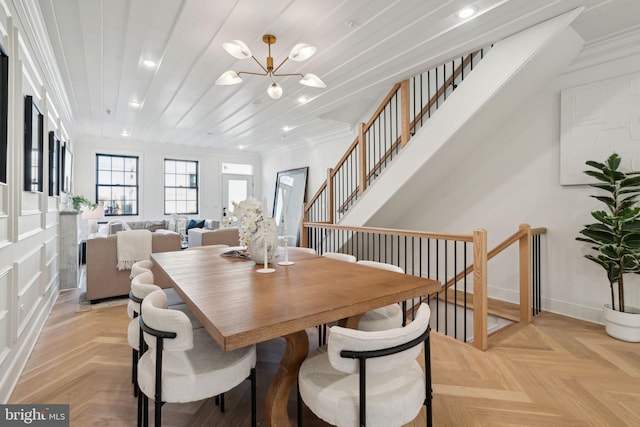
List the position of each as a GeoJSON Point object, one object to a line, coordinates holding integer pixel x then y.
{"type": "Point", "coordinates": [275, 413]}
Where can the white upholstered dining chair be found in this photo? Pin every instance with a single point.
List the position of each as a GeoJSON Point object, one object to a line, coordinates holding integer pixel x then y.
{"type": "Point", "coordinates": [340, 256]}
{"type": "Point", "coordinates": [141, 286]}
{"type": "Point", "coordinates": [322, 329]}
{"type": "Point", "coordinates": [387, 317]}
{"type": "Point", "coordinates": [140, 267]}
{"type": "Point", "coordinates": [301, 249]}
{"type": "Point", "coordinates": [332, 381]}
{"type": "Point", "coordinates": [184, 364]}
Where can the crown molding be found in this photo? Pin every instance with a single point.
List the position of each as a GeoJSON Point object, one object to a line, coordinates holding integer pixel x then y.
{"type": "Point", "coordinates": [606, 49]}
{"type": "Point", "coordinates": [34, 31]}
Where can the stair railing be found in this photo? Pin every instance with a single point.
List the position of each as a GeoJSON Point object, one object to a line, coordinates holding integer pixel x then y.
{"type": "Point", "coordinates": [443, 257]}
{"type": "Point", "coordinates": [405, 109]}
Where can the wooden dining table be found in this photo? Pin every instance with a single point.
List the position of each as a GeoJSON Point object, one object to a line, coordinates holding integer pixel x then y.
{"type": "Point", "coordinates": [241, 307]}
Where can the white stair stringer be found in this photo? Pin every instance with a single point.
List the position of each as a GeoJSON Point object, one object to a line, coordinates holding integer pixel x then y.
{"type": "Point", "coordinates": [513, 70]}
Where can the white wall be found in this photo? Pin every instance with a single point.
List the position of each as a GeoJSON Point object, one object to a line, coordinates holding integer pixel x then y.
{"type": "Point", "coordinates": [318, 157]}
{"type": "Point", "coordinates": [29, 254]}
{"type": "Point", "coordinates": [151, 178]}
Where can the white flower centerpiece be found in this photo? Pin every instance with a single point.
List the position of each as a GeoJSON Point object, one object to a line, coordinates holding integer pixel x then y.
{"type": "Point", "coordinates": [254, 229]}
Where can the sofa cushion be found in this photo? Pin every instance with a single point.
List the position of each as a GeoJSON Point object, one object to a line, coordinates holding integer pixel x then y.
{"type": "Point", "coordinates": [116, 225]}
{"type": "Point", "coordinates": [155, 225]}
{"type": "Point", "coordinates": [211, 224]}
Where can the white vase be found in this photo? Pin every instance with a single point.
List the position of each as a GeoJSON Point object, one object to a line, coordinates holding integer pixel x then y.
{"type": "Point", "coordinates": [266, 230]}
{"type": "Point", "coordinates": [625, 325]}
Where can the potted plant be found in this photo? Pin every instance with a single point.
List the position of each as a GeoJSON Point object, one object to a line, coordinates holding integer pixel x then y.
{"type": "Point", "coordinates": [615, 241]}
{"type": "Point", "coordinates": [80, 201]}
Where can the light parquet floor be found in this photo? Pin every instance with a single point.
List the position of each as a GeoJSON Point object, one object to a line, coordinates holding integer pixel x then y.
{"type": "Point", "coordinates": [555, 372]}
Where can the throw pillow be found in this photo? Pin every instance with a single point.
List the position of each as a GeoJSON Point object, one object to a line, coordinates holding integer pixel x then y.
{"type": "Point", "coordinates": [195, 224]}
{"type": "Point", "coordinates": [154, 225]}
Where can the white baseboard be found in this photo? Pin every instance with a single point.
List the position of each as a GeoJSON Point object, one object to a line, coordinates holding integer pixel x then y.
{"type": "Point", "coordinates": [19, 354]}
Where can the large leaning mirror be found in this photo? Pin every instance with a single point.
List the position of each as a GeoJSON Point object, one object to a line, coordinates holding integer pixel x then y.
{"type": "Point", "coordinates": [291, 193]}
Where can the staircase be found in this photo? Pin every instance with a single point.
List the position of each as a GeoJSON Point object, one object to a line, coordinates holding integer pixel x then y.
{"type": "Point", "coordinates": [411, 143]}
{"type": "Point", "coordinates": [425, 123]}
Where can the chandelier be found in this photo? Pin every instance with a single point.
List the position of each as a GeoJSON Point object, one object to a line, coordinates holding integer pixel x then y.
{"type": "Point", "coordinates": [300, 52]}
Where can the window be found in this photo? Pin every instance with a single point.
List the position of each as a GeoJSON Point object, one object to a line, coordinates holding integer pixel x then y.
{"type": "Point", "coordinates": [237, 169]}
{"type": "Point", "coordinates": [33, 167]}
{"type": "Point", "coordinates": [180, 187]}
{"type": "Point", "coordinates": [117, 184]}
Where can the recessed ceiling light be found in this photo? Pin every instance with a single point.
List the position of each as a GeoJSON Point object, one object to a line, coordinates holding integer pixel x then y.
{"type": "Point", "coordinates": [149, 63]}
{"type": "Point", "coordinates": [465, 13]}
{"type": "Point", "coordinates": [241, 147]}
{"type": "Point", "coordinates": [286, 128]}
{"type": "Point", "coordinates": [303, 99]}
{"type": "Point", "coordinates": [124, 133]}
{"type": "Point", "coordinates": [135, 104]}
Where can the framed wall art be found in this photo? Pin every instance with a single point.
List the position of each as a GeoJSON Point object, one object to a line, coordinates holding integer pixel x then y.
{"type": "Point", "coordinates": [33, 146]}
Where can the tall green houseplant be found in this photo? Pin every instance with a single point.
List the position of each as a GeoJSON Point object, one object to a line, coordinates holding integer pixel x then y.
{"type": "Point", "coordinates": [615, 237]}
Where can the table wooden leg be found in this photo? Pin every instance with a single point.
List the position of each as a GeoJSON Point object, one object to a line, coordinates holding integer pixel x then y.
{"type": "Point", "coordinates": [275, 412]}
{"type": "Point", "coordinates": [351, 322]}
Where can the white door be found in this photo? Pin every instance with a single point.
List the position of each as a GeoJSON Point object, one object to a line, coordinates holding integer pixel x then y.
{"type": "Point", "coordinates": [235, 188]}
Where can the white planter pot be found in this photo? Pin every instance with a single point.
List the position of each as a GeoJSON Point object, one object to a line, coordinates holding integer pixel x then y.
{"type": "Point", "coordinates": [623, 326]}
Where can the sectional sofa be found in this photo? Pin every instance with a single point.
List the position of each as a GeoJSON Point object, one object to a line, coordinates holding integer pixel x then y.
{"type": "Point", "coordinates": [104, 280]}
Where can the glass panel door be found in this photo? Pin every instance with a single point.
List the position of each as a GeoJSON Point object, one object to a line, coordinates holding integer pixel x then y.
{"type": "Point", "coordinates": [235, 188]}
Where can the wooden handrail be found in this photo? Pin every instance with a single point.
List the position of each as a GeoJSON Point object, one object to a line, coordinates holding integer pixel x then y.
{"type": "Point", "coordinates": [345, 156]}
{"type": "Point", "coordinates": [407, 233]}
{"type": "Point", "coordinates": [315, 197]}
{"type": "Point", "coordinates": [518, 236]}
{"type": "Point", "coordinates": [443, 88]}
{"type": "Point", "coordinates": [493, 252]}
{"type": "Point", "coordinates": [382, 105]}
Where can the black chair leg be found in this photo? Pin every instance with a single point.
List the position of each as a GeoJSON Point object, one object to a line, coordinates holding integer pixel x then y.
{"type": "Point", "coordinates": [222, 403]}
{"type": "Point", "coordinates": [145, 409]}
{"type": "Point", "coordinates": [299, 403]}
{"type": "Point", "coordinates": [134, 371]}
{"type": "Point", "coordinates": [254, 420]}
{"type": "Point", "coordinates": [427, 369]}
{"type": "Point", "coordinates": [140, 419]}
{"type": "Point", "coordinates": [158, 414]}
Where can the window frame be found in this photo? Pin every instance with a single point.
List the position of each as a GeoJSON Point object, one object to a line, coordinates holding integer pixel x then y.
{"type": "Point", "coordinates": [124, 157]}
{"type": "Point", "coordinates": [176, 187]}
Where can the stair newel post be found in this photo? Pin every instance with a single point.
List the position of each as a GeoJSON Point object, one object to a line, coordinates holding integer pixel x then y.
{"type": "Point", "coordinates": [304, 238]}
{"type": "Point", "coordinates": [480, 289]}
{"type": "Point", "coordinates": [405, 112]}
{"type": "Point", "coordinates": [362, 155]}
{"type": "Point", "coordinates": [525, 273]}
{"type": "Point", "coordinates": [330, 197]}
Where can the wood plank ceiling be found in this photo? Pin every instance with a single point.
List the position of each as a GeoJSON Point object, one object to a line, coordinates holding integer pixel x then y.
{"type": "Point", "coordinates": [363, 47]}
